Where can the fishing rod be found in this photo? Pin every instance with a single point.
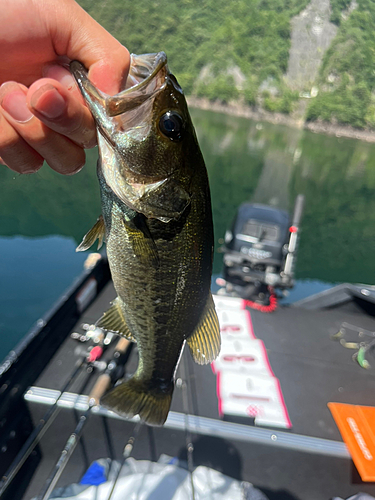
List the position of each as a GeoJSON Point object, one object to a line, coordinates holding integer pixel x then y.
{"type": "Point", "coordinates": [93, 400]}
{"type": "Point", "coordinates": [108, 438]}
{"type": "Point", "coordinates": [86, 361]}
{"type": "Point", "coordinates": [115, 368]}
{"type": "Point", "coordinates": [67, 452]}
{"type": "Point", "coordinates": [102, 341]}
{"type": "Point", "coordinates": [114, 371]}
{"type": "Point", "coordinates": [181, 383]}
{"type": "Point", "coordinates": [128, 449]}
{"type": "Point", "coordinates": [81, 390]}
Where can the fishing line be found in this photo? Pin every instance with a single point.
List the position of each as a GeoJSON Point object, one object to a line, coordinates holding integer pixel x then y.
{"type": "Point", "coordinates": [152, 444]}
{"type": "Point", "coordinates": [192, 386]}
{"type": "Point", "coordinates": [189, 444]}
{"type": "Point", "coordinates": [194, 401]}
{"type": "Point", "coordinates": [125, 454]}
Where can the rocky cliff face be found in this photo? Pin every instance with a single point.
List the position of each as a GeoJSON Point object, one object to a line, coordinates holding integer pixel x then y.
{"type": "Point", "coordinates": [312, 34]}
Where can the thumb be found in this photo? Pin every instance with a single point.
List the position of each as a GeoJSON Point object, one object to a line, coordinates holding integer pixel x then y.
{"type": "Point", "coordinates": [78, 36]}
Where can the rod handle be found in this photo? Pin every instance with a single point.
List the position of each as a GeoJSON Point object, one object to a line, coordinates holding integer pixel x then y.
{"type": "Point", "coordinates": [122, 345]}
{"type": "Point", "coordinates": [99, 389]}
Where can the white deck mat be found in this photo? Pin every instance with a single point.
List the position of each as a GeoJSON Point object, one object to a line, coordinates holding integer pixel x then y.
{"type": "Point", "coordinates": [246, 384]}
{"type": "Point", "coordinates": [255, 396]}
{"type": "Point", "coordinates": [244, 356]}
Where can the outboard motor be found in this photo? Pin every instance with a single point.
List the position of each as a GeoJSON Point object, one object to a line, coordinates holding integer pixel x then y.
{"type": "Point", "coordinates": [260, 250]}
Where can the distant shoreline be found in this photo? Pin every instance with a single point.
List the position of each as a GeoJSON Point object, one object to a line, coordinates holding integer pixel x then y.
{"type": "Point", "coordinates": [238, 109]}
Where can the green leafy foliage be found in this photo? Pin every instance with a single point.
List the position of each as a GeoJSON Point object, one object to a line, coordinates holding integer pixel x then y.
{"type": "Point", "coordinates": [338, 6]}
{"type": "Point", "coordinates": [347, 77]}
{"type": "Point", "coordinates": [210, 43]}
{"type": "Point", "coordinates": [283, 103]}
{"type": "Point", "coordinates": [252, 36]}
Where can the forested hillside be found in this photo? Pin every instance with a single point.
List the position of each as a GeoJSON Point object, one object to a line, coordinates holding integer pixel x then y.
{"type": "Point", "coordinates": [239, 50]}
{"type": "Point", "coordinates": [217, 48]}
{"type": "Point", "coordinates": [347, 76]}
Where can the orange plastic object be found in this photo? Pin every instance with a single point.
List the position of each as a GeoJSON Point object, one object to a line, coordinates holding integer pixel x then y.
{"type": "Point", "coordinates": [357, 427]}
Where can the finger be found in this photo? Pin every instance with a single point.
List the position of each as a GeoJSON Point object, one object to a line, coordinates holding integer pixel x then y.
{"type": "Point", "coordinates": [15, 152]}
{"type": "Point", "coordinates": [49, 30]}
{"type": "Point", "coordinates": [65, 77]}
{"type": "Point", "coordinates": [81, 37]}
{"type": "Point", "coordinates": [61, 110]}
{"type": "Point", "coordinates": [61, 154]}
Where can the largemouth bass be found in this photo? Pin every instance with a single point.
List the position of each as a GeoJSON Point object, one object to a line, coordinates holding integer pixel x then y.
{"type": "Point", "coordinates": [157, 224]}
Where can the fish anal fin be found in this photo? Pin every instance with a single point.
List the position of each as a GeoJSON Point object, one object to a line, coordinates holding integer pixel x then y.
{"type": "Point", "coordinates": [204, 343]}
{"type": "Point", "coordinates": [97, 232]}
{"type": "Point", "coordinates": [133, 397]}
{"type": "Point", "coordinates": [114, 321]}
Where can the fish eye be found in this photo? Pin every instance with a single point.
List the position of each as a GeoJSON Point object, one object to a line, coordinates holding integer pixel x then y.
{"type": "Point", "coordinates": [171, 125]}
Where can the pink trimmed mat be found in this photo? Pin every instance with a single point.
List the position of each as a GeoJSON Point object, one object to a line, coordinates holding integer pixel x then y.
{"type": "Point", "coordinates": [246, 384]}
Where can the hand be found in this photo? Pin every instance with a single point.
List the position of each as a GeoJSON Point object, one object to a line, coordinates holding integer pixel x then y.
{"type": "Point", "coordinates": [42, 112]}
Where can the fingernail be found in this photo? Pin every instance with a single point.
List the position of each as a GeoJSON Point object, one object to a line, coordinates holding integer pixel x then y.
{"type": "Point", "coordinates": [48, 102]}
{"type": "Point", "coordinates": [14, 103]}
{"type": "Point", "coordinates": [60, 74]}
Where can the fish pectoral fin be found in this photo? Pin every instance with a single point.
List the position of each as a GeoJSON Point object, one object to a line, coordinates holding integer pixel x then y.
{"type": "Point", "coordinates": [144, 246]}
{"type": "Point", "coordinates": [97, 232]}
{"type": "Point", "coordinates": [114, 321]}
{"type": "Point", "coordinates": [204, 343]}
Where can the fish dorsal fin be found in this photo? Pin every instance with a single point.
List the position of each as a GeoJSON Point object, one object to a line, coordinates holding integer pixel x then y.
{"type": "Point", "coordinates": [114, 320]}
{"type": "Point", "coordinates": [97, 232]}
{"type": "Point", "coordinates": [204, 343]}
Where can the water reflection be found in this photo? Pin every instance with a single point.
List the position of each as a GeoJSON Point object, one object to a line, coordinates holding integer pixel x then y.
{"type": "Point", "coordinates": [34, 272]}
{"type": "Point", "coordinates": [48, 203]}
{"type": "Point", "coordinates": [272, 164]}
{"type": "Point", "coordinates": [246, 161]}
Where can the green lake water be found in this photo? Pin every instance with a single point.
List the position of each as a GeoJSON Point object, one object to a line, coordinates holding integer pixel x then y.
{"type": "Point", "coordinates": [44, 216]}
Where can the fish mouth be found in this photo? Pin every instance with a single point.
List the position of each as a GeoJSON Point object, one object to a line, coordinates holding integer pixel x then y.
{"type": "Point", "coordinates": [147, 77]}
{"type": "Point", "coordinates": [126, 119]}
{"type": "Point", "coordinates": [129, 111]}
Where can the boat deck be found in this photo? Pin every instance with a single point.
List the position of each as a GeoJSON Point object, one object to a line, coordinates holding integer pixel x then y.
{"type": "Point", "coordinates": [312, 370]}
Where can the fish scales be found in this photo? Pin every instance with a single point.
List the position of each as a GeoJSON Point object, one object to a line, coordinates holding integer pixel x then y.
{"type": "Point", "coordinates": [158, 230]}
{"type": "Point", "coordinates": [156, 307]}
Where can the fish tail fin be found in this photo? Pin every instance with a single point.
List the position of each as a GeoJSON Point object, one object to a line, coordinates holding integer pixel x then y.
{"type": "Point", "coordinates": [133, 397]}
